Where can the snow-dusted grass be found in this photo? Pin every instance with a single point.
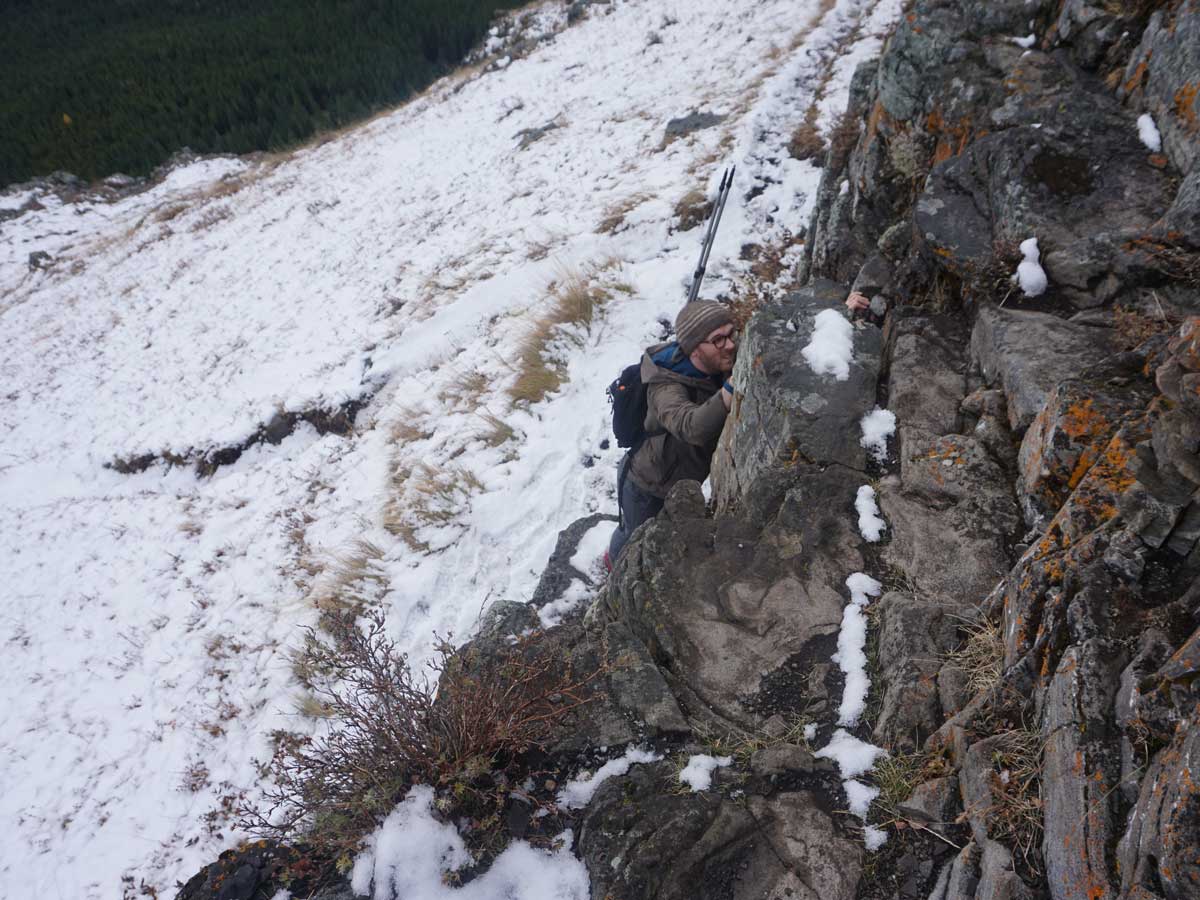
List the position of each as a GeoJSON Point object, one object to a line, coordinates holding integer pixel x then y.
{"type": "Point", "coordinates": [150, 617]}
{"type": "Point", "coordinates": [831, 348]}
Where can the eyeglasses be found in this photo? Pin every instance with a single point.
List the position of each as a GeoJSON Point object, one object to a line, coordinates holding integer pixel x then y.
{"type": "Point", "coordinates": [722, 340]}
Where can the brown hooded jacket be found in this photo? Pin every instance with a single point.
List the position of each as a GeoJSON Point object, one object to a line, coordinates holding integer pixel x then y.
{"type": "Point", "coordinates": [690, 412]}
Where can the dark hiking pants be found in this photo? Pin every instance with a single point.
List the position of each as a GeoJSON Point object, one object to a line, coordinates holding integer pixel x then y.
{"type": "Point", "coordinates": [636, 507]}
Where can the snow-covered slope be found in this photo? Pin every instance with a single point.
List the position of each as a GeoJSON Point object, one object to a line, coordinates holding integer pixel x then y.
{"type": "Point", "coordinates": [147, 617]}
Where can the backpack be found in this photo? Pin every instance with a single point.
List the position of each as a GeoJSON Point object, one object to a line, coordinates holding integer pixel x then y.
{"type": "Point", "coordinates": [627, 395]}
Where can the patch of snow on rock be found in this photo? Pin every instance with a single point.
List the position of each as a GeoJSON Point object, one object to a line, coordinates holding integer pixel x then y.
{"type": "Point", "coordinates": [410, 854]}
{"type": "Point", "coordinates": [1030, 274]}
{"type": "Point", "coordinates": [698, 772]}
{"type": "Point", "coordinates": [831, 347]}
{"type": "Point", "coordinates": [578, 792]}
{"type": "Point", "coordinates": [1148, 132]}
{"type": "Point", "coordinates": [877, 426]}
{"type": "Point", "coordinates": [870, 524]}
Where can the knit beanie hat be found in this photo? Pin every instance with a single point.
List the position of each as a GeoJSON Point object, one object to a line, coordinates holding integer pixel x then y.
{"type": "Point", "coordinates": [697, 320]}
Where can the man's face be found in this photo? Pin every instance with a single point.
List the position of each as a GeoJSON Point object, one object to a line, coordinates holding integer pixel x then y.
{"type": "Point", "coordinates": [718, 350]}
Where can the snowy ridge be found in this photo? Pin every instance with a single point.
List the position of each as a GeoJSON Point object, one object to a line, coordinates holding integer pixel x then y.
{"type": "Point", "coordinates": [148, 617]}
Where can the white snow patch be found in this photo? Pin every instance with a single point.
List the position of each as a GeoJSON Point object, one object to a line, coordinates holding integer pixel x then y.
{"type": "Point", "coordinates": [698, 772]}
{"type": "Point", "coordinates": [859, 797]}
{"type": "Point", "coordinates": [870, 524]}
{"type": "Point", "coordinates": [1030, 274]}
{"type": "Point", "coordinates": [877, 426]}
{"type": "Point", "coordinates": [578, 792]}
{"type": "Point", "coordinates": [810, 731]}
{"type": "Point", "coordinates": [851, 655]}
{"type": "Point", "coordinates": [831, 347]}
{"type": "Point", "coordinates": [411, 852]}
{"type": "Point", "coordinates": [874, 838]}
{"type": "Point", "coordinates": [1028, 41]}
{"type": "Point", "coordinates": [576, 593]}
{"type": "Point", "coordinates": [589, 554]}
{"type": "Point", "coordinates": [1148, 132]}
{"type": "Point", "coordinates": [853, 757]}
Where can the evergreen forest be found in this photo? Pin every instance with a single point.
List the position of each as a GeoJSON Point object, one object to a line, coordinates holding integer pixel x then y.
{"type": "Point", "coordinates": [102, 86]}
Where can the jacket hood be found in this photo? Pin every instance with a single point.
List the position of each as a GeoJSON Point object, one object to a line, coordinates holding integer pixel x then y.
{"type": "Point", "coordinates": [667, 362]}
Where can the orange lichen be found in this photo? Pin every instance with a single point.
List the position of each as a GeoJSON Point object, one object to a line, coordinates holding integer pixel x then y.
{"type": "Point", "coordinates": [1185, 104]}
{"type": "Point", "coordinates": [1139, 75]}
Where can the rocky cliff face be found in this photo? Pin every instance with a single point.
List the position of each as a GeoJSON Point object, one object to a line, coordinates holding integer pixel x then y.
{"type": "Point", "coordinates": [1035, 646]}
{"type": "Point", "coordinates": [1035, 649]}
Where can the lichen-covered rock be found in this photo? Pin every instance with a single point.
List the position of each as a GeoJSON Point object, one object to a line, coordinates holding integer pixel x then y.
{"type": "Point", "coordinates": [1081, 771]}
{"type": "Point", "coordinates": [1065, 439]}
{"type": "Point", "coordinates": [1163, 76]}
{"type": "Point", "coordinates": [1159, 852]}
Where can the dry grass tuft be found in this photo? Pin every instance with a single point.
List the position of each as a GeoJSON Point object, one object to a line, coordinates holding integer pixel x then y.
{"type": "Point", "coordinates": [692, 209]}
{"type": "Point", "coordinates": [981, 657]}
{"type": "Point", "coordinates": [842, 139]}
{"type": "Point", "coordinates": [465, 388]}
{"type": "Point", "coordinates": [806, 141]}
{"type": "Point", "coordinates": [410, 426]}
{"type": "Point", "coordinates": [355, 580]}
{"type": "Point", "coordinates": [1016, 815]}
{"type": "Point", "coordinates": [574, 299]}
{"type": "Point", "coordinates": [614, 217]}
{"type": "Point", "coordinates": [497, 432]}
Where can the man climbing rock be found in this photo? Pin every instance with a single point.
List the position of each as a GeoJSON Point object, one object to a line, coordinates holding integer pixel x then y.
{"type": "Point", "coordinates": [688, 396]}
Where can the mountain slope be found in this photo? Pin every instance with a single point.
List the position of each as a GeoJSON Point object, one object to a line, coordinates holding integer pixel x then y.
{"type": "Point", "coordinates": [400, 267]}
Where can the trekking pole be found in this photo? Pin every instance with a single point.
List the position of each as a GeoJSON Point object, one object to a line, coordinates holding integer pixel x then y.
{"type": "Point", "coordinates": [714, 219]}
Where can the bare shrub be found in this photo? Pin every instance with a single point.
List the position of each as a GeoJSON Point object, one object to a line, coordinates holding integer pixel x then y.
{"type": "Point", "coordinates": [842, 138]}
{"type": "Point", "coordinates": [388, 731]}
{"type": "Point", "coordinates": [806, 141]}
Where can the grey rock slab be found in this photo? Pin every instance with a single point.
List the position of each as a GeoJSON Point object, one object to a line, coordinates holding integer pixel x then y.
{"type": "Point", "coordinates": [1029, 353]}
{"type": "Point", "coordinates": [935, 803]}
{"type": "Point", "coordinates": [951, 555]}
{"type": "Point", "coordinates": [927, 363]}
{"type": "Point", "coordinates": [641, 840]}
{"type": "Point", "coordinates": [559, 573]}
{"type": "Point", "coordinates": [724, 603]}
{"type": "Point", "coordinates": [914, 635]}
{"type": "Point", "coordinates": [692, 122]}
{"type": "Point", "coordinates": [638, 686]}
{"type": "Point", "coordinates": [785, 415]}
